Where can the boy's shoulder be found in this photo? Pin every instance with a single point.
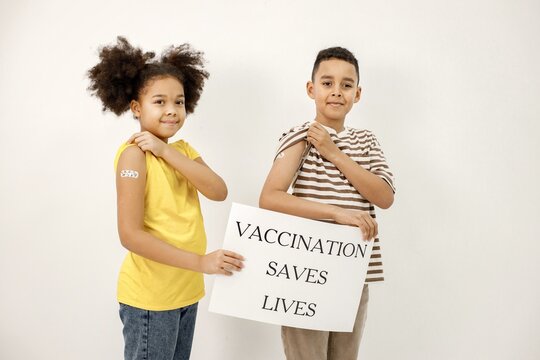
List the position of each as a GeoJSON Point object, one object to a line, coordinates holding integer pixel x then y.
{"type": "Point", "coordinates": [305, 126]}
{"type": "Point", "coordinates": [295, 130]}
{"type": "Point", "coordinates": [360, 133]}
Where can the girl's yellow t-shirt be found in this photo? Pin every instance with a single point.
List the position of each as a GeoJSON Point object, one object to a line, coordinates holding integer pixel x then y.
{"type": "Point", "coordinates": [172, 213]}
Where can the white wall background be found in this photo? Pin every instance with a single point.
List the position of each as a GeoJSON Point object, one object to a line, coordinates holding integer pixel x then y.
{"type": "Point", "coordinates": [450, 87]}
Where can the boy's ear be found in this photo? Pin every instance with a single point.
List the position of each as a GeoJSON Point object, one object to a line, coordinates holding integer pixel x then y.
{"type": "Point", "coordinates": [135, 108]}
{"type": "Point", "coordinates": [309, 89]}
{"type": "Point", "coordinates": [357, 95]}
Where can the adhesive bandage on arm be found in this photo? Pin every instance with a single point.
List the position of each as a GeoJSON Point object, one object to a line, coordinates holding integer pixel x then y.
{"type": "Point", "coordinates": [129, 174]}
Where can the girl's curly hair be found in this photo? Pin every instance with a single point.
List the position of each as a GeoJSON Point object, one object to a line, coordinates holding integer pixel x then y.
{"type": "Point", "coordinates": [124, 71]}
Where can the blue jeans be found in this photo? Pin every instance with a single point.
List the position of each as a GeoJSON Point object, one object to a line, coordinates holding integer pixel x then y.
{"type": "Point", "coordinates": [158, 335]}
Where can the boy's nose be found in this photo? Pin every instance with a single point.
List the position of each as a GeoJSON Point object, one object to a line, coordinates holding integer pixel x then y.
{"type": "Point", "coordinates": [336, 93]}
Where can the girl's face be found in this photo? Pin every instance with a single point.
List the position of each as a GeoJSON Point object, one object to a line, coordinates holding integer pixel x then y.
{"type": "Point", "coordinates": [160, 107]}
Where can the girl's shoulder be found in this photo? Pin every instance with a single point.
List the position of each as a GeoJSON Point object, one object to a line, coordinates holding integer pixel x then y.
{"type": "Point", "coordinates": [132, 151]}
{"type": "Point", "coordinates": [185, 148]}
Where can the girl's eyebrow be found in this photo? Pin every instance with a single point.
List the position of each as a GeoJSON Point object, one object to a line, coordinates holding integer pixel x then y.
{"type": "Point", "coordinates": [161, 95]}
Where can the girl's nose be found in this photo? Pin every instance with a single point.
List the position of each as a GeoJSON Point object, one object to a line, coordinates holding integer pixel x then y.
{"type": "Point", "coordinates": [171, 112]}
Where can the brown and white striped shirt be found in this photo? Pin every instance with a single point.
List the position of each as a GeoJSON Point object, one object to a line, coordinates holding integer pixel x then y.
{"type": "Point", "coordinates": [319, 180]}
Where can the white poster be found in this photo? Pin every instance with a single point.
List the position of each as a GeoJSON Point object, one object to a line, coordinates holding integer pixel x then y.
{"type": "Point", "coordinates": [298, 272]}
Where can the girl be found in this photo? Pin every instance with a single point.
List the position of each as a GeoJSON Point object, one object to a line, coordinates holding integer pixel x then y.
{"type": "Point", "coordinates": [159, 217]}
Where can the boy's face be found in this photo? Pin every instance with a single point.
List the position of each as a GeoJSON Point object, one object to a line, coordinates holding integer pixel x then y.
{"type": "Point", "coordinates": [334, 89]}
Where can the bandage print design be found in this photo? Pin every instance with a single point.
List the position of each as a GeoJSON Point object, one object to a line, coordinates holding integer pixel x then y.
{"type": "Point", "coordinates": [129, 173]}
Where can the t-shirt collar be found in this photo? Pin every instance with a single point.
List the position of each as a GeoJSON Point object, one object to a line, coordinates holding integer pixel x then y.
{"type": "Point", "coordinates": [332, 130]}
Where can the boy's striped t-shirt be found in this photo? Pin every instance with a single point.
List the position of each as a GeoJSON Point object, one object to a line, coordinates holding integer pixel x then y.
{"type": "Point", "coordinates": [317, 179]}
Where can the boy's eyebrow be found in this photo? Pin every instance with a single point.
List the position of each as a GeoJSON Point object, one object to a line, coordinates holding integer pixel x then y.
{"type": "Point", "coordinates": [324, 77]}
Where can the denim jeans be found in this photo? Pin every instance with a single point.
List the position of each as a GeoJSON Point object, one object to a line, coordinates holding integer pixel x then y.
{"type": "Point", "coordinates": [158, 335]}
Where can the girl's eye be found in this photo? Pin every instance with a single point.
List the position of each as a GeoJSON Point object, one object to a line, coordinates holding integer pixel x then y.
{"type": "Point", "coordinates": [180, 102]}
{"type": "Point", "coordinates": [160, 102]}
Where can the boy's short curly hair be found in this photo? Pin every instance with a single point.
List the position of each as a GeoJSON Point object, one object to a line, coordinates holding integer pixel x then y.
{"type": "Point", "coordinates": [335, 53]}
{"type": "Point", "coordinates": [124, 71]}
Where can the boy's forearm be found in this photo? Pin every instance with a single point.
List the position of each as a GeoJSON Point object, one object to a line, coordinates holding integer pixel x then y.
{"type": "Point", "coordinates": [281, 201]}
{"type": "Point", "coordinates": [202, 177]}
{"type": "Point", "coordinates": [370, 186]}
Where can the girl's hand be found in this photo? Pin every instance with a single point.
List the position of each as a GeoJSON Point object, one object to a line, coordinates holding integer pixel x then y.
{"type": "Point", "coordinates": [320, 138]}
{"type": "Point", "coordinates": [222, 262]}
{"type": "Point", "coordinates": [148, 142]}
{"type": "Point", "coordinates": [362, 219]}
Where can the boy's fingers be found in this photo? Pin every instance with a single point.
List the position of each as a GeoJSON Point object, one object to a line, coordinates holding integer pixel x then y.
{"type": "Point", "coordinates": [363, 229]}
{"type": "Point", "coordinates": [369, 229]}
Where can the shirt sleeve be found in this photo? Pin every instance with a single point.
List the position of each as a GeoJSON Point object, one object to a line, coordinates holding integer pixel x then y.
{"type": "Point", "coordinates": [190, 151]}
{"type": "Point", "coordinates": [123, 147]}
{"type": "Point", "coordinates": [292, 137]}
{"type": "Point", "coordinates": [378, 165]}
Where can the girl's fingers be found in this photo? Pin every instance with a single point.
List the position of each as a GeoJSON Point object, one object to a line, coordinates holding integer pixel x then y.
{"type": "Point", "coordinates": [223, 271]}
{"type": "Point", "coordinates": [132, 137]}
{"type": "Point", "coordinates": [137, 137]}
{"type": "Point", "coordinates": [232, 264]}
{"type": "Point", "coordinates": [229, 267]}
{"type": "Point", "coordinates": [233, 254]}
{"type": "Point", "coordinates": [233, 261]}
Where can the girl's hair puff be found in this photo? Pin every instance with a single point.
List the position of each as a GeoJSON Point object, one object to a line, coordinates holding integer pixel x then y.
{"type": "Point", "coordinates": [124, 71]}
{"type": "Point", "coordinates": [190, 64]}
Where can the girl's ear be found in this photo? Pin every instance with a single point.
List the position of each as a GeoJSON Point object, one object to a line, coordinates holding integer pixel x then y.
{"type": "Point", "coordinates": [135, 108]}
{"type": "Point", "coordinates": [309, 89]}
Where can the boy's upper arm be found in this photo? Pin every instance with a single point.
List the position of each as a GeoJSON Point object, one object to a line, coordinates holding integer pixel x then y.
{"type": "Point", "coordinates": [130, 188]}
{"type": "Point", "coordinates": [285, 167]}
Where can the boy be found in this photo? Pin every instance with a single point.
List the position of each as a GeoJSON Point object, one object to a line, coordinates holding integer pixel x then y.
{"type": "Point", "coordinates": [338, 174]}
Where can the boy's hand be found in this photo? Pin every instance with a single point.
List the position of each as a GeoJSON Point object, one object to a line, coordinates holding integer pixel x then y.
{"type": "Point", "coordinates": [362, 219]}
{"type": "Point", "coordinates": [320, 138]}
{"type": "Point", "coordinates": [222, 262]}
{"type": "Point", "coordinates": [148, 142]}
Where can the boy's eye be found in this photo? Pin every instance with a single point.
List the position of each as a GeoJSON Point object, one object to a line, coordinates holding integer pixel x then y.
{"type": "Point", "coordinates": [326, 83]}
